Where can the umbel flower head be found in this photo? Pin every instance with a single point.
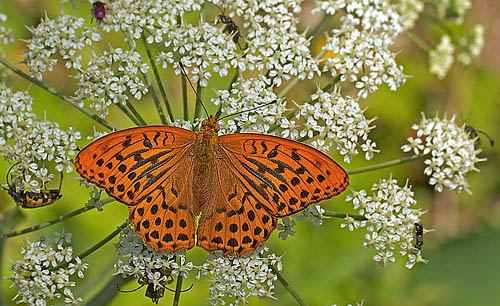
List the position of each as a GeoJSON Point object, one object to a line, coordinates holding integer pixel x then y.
{"type": "Point", "coordinates": [47, 271]}
{"type": "Point", "coordinates": [30, 140]}
{"type": "Point", "coordinates": [451, 149]}
{"type": "Point", "coordinates": [389, 218]}
{"type": "Point", "coordinates": [234, 278]}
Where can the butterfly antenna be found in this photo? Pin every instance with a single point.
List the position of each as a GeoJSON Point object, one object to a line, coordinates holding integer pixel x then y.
{"type": "Point", "coordinates": [133, 290]}
{"type": "Point", "coordinates": [198, 98]}
{"type": "Point", "coordinates": [249, 110]}
{"type": "Point", "coordinates": [185, 290]}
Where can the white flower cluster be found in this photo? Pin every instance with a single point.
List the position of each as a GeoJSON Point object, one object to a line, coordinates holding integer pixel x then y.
{"type": "Point", "coordinates": [31, 141]}
{"type": "Point", "coordinates": [471, 45]}
{"type": "Point", "coordinates": [110, 78]}
{"type": "Point", "coordinates": [231, 276]}
{"type": "Point", "coordinates": [241, 277]}
{"type": "Point", "coordinates": [273, 42]}
{"type": "Point", "coordinates": [339, 121]}
{"type": "Point", "coordinates": [152, 18]}
{"type": "Point", "coordinates": [63, 36]}
{"type": "Point", "coordinates": [389, 219]}
{"type": "Point", "coordinates": [409, 11]}
{"type": "Point", "coordinates": [203, 48]}
{"type": "Point", "coordinates": [313, 214]}
{"type": "Point", "coordinates": [245, 95]}
{"type": "Point", "coordinates": [47, 271]}
{"type": "Point", "coordinates": [141, 261]}
{"type": "Point", "coordinates": [452, 152]}
{"type": "Point", "coordinates": [441, 59]}
{"type": "Point", "coordinates": [6, 36]}
{"type": "Point", "coordinates": [453, 10]}
{"type": "Point", "coordinates": [361, 45]}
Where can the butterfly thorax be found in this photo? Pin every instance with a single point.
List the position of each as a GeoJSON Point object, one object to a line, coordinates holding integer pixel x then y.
{"type": "Point", "coordinates": [205, 150]}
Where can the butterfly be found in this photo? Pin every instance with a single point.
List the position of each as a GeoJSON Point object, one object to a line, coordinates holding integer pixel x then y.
{"type": "Point", "coordinates": [29, 199]}
{"type": "Point", "coordinates": [239, 183]}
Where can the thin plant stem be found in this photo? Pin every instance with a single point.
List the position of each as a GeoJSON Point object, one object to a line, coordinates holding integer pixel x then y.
{"type": "Point", "coordinates": [96, 246]}
{"type": "Point", "coordinates": [158, 79]}
{"type": "Point", "coordinates": [387, 164]}
{"type": "Point", "coordinates": [109, 291]}
{"type": "Point", "coordinates": [150, 85]}
{"type": "Point", "coordinates": [58, 94]}
{"type": "Point", "coordinates": [235, 77]}
{"type": "Point", "coordinates": [185, 107]}
{"type": "Point", "coordinates": [128, 114]}
{"type": "Point", "coordinates": [178, 290]}
{"type": "Point", "coordinates": [197, 107]}
{"type": "Point", "coordinates": [419, 41]}
{"type": "Point", "coordinates": [136, 113]}
{"type": "Point", "coordinates": [289, 288]}
{"type": "Point", "coordinates": [53, 221]}
{"type": "Point", "coordinates": [343, 215]}
{"type": "Point", "coordinates": [319, 26]}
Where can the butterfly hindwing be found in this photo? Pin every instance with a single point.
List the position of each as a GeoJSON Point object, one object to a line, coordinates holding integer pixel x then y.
{"type": "Point", "coordinates": [233, 220]}
{"type": "Point", "coordinates": [148, 169]}
{"type": "Point", "coordinates": [284, 176]}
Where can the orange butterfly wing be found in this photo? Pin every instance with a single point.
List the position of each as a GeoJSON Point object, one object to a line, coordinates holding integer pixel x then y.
{"type": "Point", "coordinates": [260, 178]}
{"type": "Point", "coordinates": [149, 169]}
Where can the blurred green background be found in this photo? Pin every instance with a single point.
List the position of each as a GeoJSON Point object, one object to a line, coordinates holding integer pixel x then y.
{"type": "Point", "coordinates": [326, 265]}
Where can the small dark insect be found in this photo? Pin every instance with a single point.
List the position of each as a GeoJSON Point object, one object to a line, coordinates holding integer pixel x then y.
{"type": "Point", "coordinates": [29, 199]}
{"type": "Point", "coordinates": [231, 27]}
{"type": "Point", "coordinates": [419, 236]}
{"type": "Point", "coordinates": [474, 133]}
{"type": "Point", "coordinates": [157, 294]}
{"type": "Point", "coordinates": [98, 10]}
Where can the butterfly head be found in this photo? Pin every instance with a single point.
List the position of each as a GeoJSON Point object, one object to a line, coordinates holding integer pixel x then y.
{"type": "Point", "coordinates": [210, 126]}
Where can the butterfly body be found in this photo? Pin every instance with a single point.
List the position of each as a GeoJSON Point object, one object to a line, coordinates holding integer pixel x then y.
{"type": "Point", "coordinates": [239, 183]}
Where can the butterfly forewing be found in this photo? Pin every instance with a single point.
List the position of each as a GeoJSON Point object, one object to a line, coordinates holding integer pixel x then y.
{"type": "Point", "coordinates": [283, 175]}
{"type": "Point", "coordinates": [147, 168]}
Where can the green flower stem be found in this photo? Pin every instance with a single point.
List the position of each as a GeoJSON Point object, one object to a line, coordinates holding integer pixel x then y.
{"type": "Point", "coordinates": [185, 107]}
{"type": "Point", "coordinates": [197, 107]}
{"type": "Point", "coordinates": [53, 221]}
{"type": "Point", "coordinates": [319, 27]}
{"type": "Point", "coordinates": [128, 114]}
{"type": "Point", "coordinates": [149, 83]}
{"type": "Point", "coordinates": [158, 79]}
{"type": "Point", "coordinates": [419, 41]}
{"type": "Point", "coordinates": [388, 164]}
{"type": "Point", "coordinates": [109, 291]}
{"type": "Point", "coordinates": [288, 87]}
{"type": "Point", "coordinates": [58, 94]}
{"type": "Point", "coordinates": [235, 77]}
{"type": "Point", "coordinates": [178, 290]}
{"type": "Point", "coordinates": [136, 114]}
{"type": "Point", "coordinates": [96, 246]}
{"type": "Point", "coordinates": [289, 288]}
{"type": "Point", "coordinates": [343, 215]}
